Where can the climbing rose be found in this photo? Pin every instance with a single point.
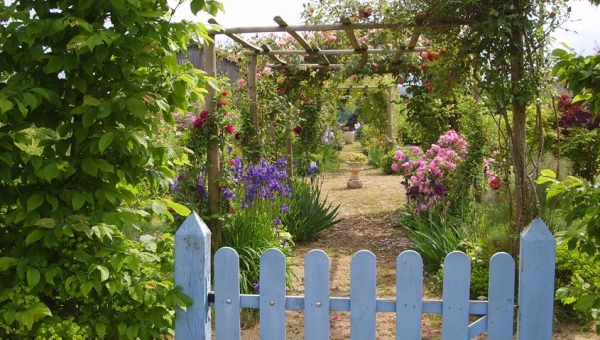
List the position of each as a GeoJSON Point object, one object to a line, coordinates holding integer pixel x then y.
{"type": "Point", "coordinates": [298, 129]}
{"type": "Point", "coordinates": [198, 122]}
{"type": "Point", "coordinates": [224, 93]}
{"type": "Point", "coordinates": [495, 183]}
{"type": "Point", "coordinates": [229, 129]}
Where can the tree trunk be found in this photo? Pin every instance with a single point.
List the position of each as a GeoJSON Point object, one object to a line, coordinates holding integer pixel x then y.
{"type": "Point", "coordinates": [518, 136]}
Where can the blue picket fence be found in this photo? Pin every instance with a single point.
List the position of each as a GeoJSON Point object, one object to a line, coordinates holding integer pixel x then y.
{"type": "Point", "coordinates": [495, 316]}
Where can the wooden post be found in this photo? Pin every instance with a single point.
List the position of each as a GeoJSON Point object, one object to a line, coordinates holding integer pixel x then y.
{"type": "Point", "coordinates": [536, 282]}
{"type": "Point", "coordinates": [214, 194]}
{"type": "Point", "coordinates": [252, 92]}
{"type": "Point", "coordinates": [390, 114]}
{"type": "Point", "coordinates": [192, 273]}
{"type": "Point", "coordinates": [289, 155]}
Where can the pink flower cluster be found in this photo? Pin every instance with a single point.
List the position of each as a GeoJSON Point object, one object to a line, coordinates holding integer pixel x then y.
{"type": "Point", "coordinates": [425, 178]}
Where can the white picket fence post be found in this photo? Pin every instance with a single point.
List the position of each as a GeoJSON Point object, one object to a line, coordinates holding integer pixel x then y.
{"type": "Point", "coordinates": [192, 273]}
{"type": "Point", "coordinates": [536, 282]}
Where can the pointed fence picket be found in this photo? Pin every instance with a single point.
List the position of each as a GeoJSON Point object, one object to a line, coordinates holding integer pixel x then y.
{"type": "Point", "coordinates": [536, 283]}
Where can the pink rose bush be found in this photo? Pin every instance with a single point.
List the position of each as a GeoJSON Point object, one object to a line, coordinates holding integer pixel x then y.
{"type": "Point", "coordinates": [426, 174]}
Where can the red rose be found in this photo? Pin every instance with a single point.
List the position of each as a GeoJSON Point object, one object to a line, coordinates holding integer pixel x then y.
{"type": "Point", "coordinates": [222, 102]}
{"type": "Point", "coordinates": [224, 93]}
{"type": "Point", "coordinates": [229, 129]}
{"type": "Point", "coordinates": [237, 135]}
{"type": "Point", "coordinates": [198, 122]}
{"type": "Point", "coordinates": [495, 183]}
{"type": "Point", "coordinates": [204, 114]}
{"type": "Point", "coordinates": [298, 129]}
{"type": "Point", "coordinates": [281, 90]}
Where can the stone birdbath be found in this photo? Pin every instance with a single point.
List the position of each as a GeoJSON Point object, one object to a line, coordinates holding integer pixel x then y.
{"type": "Point", "coordinates": [355, 163]}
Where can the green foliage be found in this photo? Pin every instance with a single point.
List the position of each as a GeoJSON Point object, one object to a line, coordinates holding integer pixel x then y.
{"type": "Point", "coordinates": [250, 232]}
{"type": "Point", "coordinates": [85, 89]}
{"type": "Point", "coordinates": [580, 209]}
{"type": "Point", "coordinates": [577, 281]}
{"type": "Point", "coordinates": [309, 214]}
{"type": "Point", "coordinates": [386, 162]}
{"type": "Point", "coordinates": [434, 234]}
{"type": "Point", "coordinates": [581, 76]}
{"type": "Point", "coordinates": [78, 280]}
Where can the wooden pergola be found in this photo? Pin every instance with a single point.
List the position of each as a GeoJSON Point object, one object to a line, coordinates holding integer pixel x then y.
{"type": "Point", "coordinates": [277, 60]}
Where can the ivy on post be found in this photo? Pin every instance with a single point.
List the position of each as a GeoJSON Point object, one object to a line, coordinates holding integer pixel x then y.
{"type": "Point", "coordinates": [192, 273]}
{"type": "Point", "coordinates": [214, 195]}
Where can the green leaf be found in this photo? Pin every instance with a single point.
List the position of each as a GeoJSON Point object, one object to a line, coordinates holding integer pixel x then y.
{"type": "Point", "coordinates": [51, 171]}
{"type": "Point", "coordinates": [33, 277]}
{"type": "Point", "coordinates": [5, 105]}
{"type": "Point", "coordinates": [91, 101]}
{"type": "Point", "coordinates": [9, 316]}
{"type": "Point", "coordinates": [105, 166]}
{"type": "Point", "coordinates": [40, 309]}
{"type": "Point", "coordinates": [25, 318]}
{"type": "Point", "coordinates": [86, 287]}
{"type": "Point", "coordinates": [178, 208]}
{"type": "Point", "coordinates": [93, 41]}
{"type": "Point", "coordinates": [46, 222]}
{"type": "Point", "coordinates": [137, 293]}
{"type": "Point", "coordinates": [197, 5]}
{"type": "Point", "coordinates": [54, 64]}
{"type": "Point", "coordinates": [34, 202]}
{"type": "Point", "coordinates": [105, 141]}
{"type": "Point", "coordinates": [158, 208]}
{"type": "Point", "coordinates": [104, 273]}
{"type": "Point", "coordinates": [548, 173]}
{"type": "Point", "coordinates": [122, 328]}
{"type": "Point", "coordinates": [137, 106]}
{"type": "Point", "coordinates": [100, 330]}
{"type": "Point", "coordinates": [34, 236]}
{"type": "Point", "coordinates": [132, 331]}
{"type": "Point", "coordinates": [50, 274]}
{"type": "Point", "coordinates": [7, 262]}
{"type": "Point", "coordinates": [89, 166]}
{"type": "Point", "coordinates": [6, 158]}
{"type": "Point", "coordinates": [78, 200]}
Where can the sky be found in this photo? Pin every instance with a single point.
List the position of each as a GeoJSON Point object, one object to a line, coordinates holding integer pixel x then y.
{"type": "Point", "coordinates": [583, 35]}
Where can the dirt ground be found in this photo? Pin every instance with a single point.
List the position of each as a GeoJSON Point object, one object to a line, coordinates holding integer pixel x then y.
{"type": "Point", "coordinates": [369, 218]}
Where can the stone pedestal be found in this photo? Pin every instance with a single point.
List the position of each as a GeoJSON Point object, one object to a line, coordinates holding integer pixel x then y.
{"type": "Point", "coordinates": [349, 137]}
{"type": "Point", "coordinates": [355, 182]}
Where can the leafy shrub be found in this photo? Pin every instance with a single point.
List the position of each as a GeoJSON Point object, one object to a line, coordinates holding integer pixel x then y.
{"type": "Point", "coordinates": [434, 234]}
{"type": "Point", "coordinates": [578, 281]}
{"type": "Point", "coordinates": [82, 281]}
{"type": "Point", "coordinates": [309, 214]}
{"type": "Point", "coordinates": [375, 156]}
{"type": "Point", "coordinates": [386, 162]}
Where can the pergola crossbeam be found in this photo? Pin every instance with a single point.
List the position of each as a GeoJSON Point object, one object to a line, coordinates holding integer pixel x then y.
{"type": "Point", "coordinates": [273, 57]}
{"type": "Point", "coordinates": [311, 66]}
{"type": "Point", "coordinates": [334, 52]}
{"type": "Point", "coordinates": [350, 33]}
{"type": "Point", "coordinates": [237, 38]}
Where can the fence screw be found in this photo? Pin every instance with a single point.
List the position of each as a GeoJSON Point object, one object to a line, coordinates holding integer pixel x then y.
{"type": "Point", "coordinates": [228, 301]}
{"type": "Point", "coordinates": [318, 304]}
{"type": "Point", "coordinates": [272, 303]}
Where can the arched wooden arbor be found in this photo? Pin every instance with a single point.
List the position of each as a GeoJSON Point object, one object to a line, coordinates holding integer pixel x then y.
{"type": "Point", "coordinates": [277, 58]}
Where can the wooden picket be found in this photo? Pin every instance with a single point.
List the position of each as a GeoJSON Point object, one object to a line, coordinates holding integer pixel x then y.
{"type": "Point", "coordinates": [536, 270]}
